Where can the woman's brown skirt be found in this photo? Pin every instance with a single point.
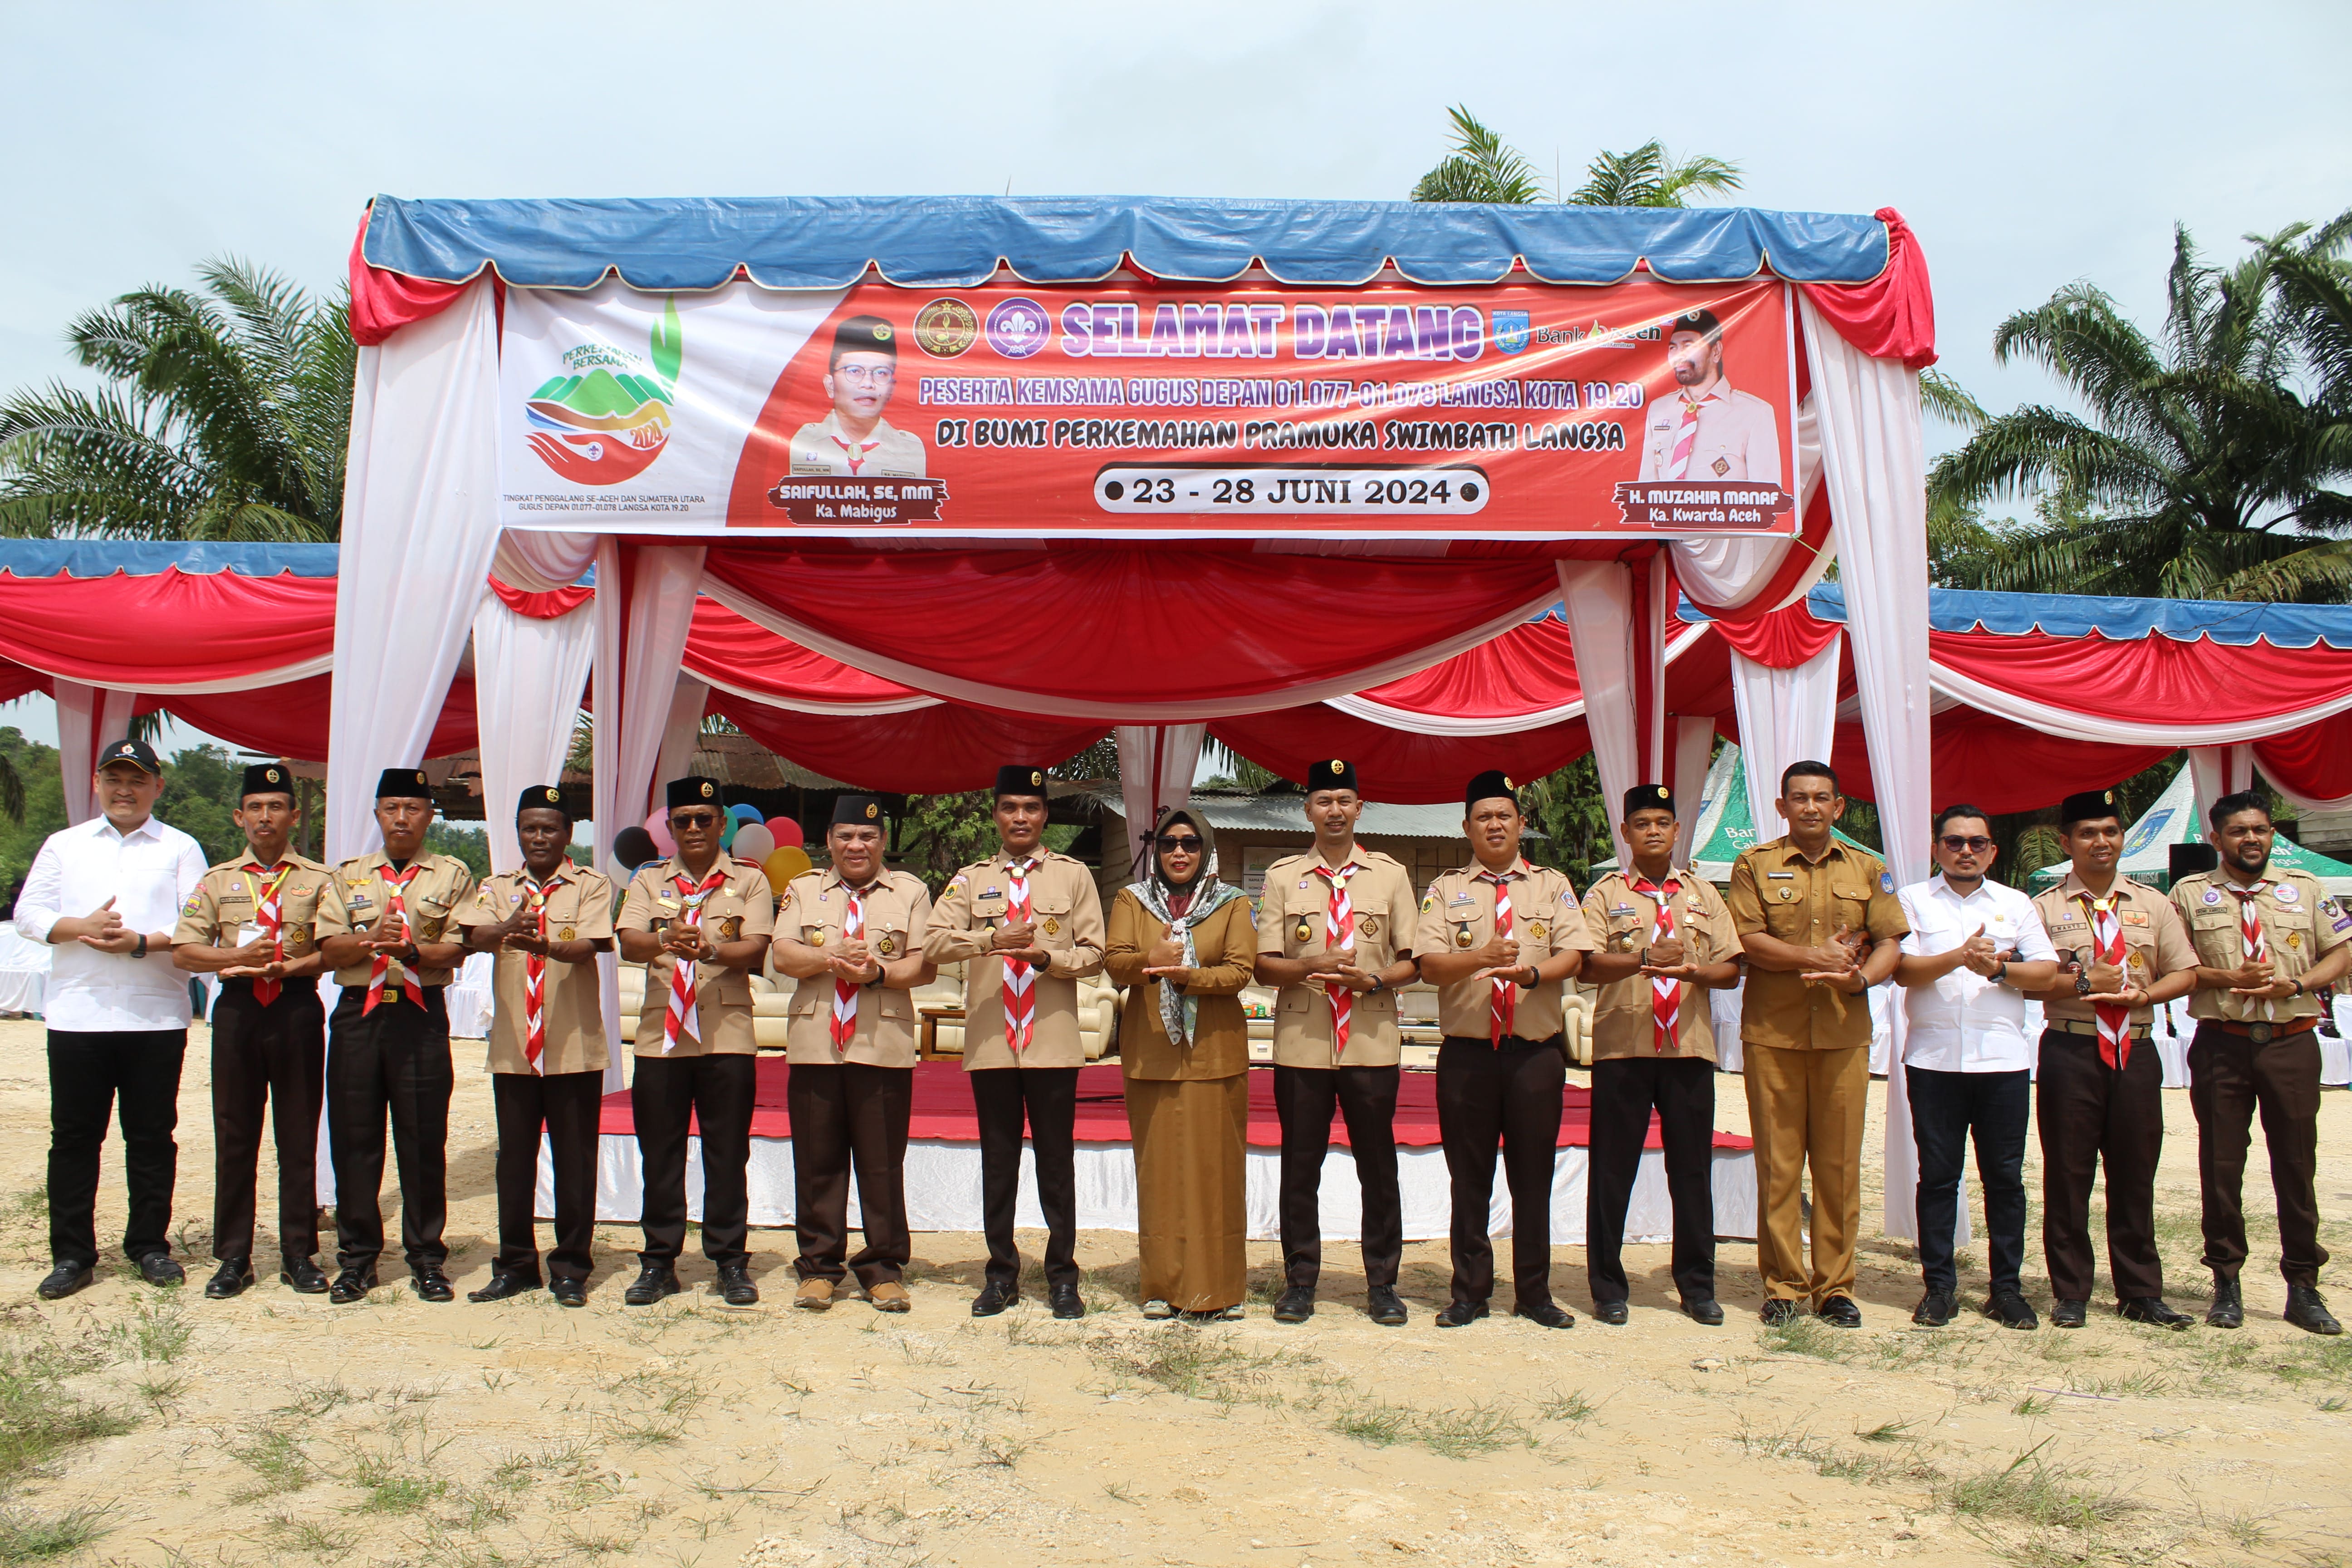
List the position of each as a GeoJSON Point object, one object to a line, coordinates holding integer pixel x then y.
{"type": "Point", "coordinates": [1190, 1139]}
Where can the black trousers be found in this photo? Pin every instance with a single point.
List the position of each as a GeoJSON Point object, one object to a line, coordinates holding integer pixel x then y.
{"type": "Point", "coordinates": [2089, 1112]}
{"type": "Point", "coordinates": [717, 1092]}
{"type": "Point", "coordinates": [1946, 1108]}
{"type": "Point", "coordinates": [2229, 1077]}
{"type": "Point", "coordinates": [1304, 1099]}
{"type": "Point", "coordinates": [1507, 1098]}
{"type": "Point", "coordinates": [92, 1072]}
{"type": "Point", "coordinates": [396, 1060]}
{"type": "Point", "coordinates": [269, 1059]}
{"type": "Point", "coordinates": [848, 1114]}
{"type": "Point", "coordinates": [566, 1105]}
{"type": "Point", "coordinates": [1049, 1098]}
{"type": "Point", "coordinates": [1625, 1090]}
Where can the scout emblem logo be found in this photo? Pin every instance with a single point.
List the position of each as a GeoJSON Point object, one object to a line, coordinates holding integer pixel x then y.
{"type": "Point", "coordinates": [1788, 895]}
{"type": "Point", "coordinates": [1462, 936]}
{"type": "Point", "coordinates": [885, 947]}
{"type": "Point", "coordinates": [2285, 893]}
{"type": "Point", "coordinates": [1722, 465]}
{"type": "Point", "coordinates": [1538, 931]}
{"type": "Point", "coordinates": [567, 933]}
{"type": "Point", "coordinates": [872, 811]}
{"type": "Point", "coordinates": [1018, 328]}
{"type": "Point", "coordinates": [708, 789]}
{"type": "Point", "coordinates": [1886, 881]}
{"type": "Point", "coordinates": [1368, 925]}
{"type": "Point", "coordinates": [945, 328]}
{"type": "Point", "coordinates": [607, 416]}
{"type": "Point", "coordinates": [1053, 926]}
{"type": "Point", "coordinates": [1303, 933]}
{"type": "Point", "coordinates": [2213, 895]}
{"type": "Point", "coordinates": [1513, 329]}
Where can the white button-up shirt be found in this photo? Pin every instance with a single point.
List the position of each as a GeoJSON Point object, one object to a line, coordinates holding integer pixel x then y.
{"type": "Point", "coordinates": [1965, 1023]}
{"type": "Point", "coordinates": [149, 872]}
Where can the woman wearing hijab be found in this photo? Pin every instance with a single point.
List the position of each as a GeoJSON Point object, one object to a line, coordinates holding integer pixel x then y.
{"type": "Point", "coordinates": [1185, 943]}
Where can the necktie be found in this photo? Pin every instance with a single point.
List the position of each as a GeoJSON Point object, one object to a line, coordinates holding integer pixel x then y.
{"type": "Point", "coordinates": [683, 1014]}
{"type": "Point", "coordinates": [856, 452]}
{"type": "Point", "coordinates": [269, 915]}
{"type": "Point", "coordinates": [1339, 934]}
{"type": "Point", "coordinates": [845, 993]}
{"type": "Point", "coordinates": [2108, 942]}
{"type": "Point", "coordinates": [2256, 941]}
{"type": "Point", "coordinates": [1686, 437]}
{"type": "Point", "coordinates": [1505, 1002]}
{"type": "Point", "coordinates": [534, 982]}
{"type": "Point", "coordinates": [1666, 994]}
{"type": "Point", "coordinates": [1020, 979]}
{"type": "Point", "coordinates": [394, 886]}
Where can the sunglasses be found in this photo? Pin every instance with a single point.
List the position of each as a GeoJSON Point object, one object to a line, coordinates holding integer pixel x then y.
{"type": "Point", "coordinates": [1954, 843]}
{"type": "Point", "coordinates": [694, 819]}
{"type": "Point", "coordinates": [1186, 844]}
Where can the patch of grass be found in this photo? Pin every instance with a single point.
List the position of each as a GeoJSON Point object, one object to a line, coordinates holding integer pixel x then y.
{"type": "Point", "coordinates": [1457, 1434]}
{"type": "Point", "coordinates": [2034, 1405]}
{"type": "Point", "coordinates": [1194, 1361]}
{"type": "Point", "coordinates": [39, 1416]}
{"type": "Point", "coordinates": [309, 1537]}
{"type": "Point", "coordinates": [161, 1389]}
{"type": "Point", "coordinates": [2032, 1490]}
{"type": "Point", "coordinates": [1827, 1459]}
{"type": "Point", "coordinates": [2332, 1404]}
{"type": "Point", "coordinates": [1570, 1406]}
{"type": "Point", "coordinates": [30, 1538]}
{"type": "Point", "coordinates": [1888, 1432]}
{"type": "Point", "coordinates": [157, 1330]}
{"type": "Point", "coordinates": [653, 1431]}
{"type": "Point", "coordinates": [317, 1398]}
{"type": "Point", "coordinates": [400, 1491]}
{"type": "Point", "coordinates": [277, 1461]}
{"type": "Point", "coordinates": [1807, 1335]}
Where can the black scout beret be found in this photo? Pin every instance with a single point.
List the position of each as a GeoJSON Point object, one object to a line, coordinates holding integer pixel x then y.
{"type": "Point", "coordinates": [1648, 797]}
{"type": "Point", "coordinates": [864, 335]}
{"type": "Point", "coordinates": [1021, 779]}
{"type": "Point", "coordinates": [1333, 774]}
{"type": "Point", "coordinates": [858, 810]}
{"type": "Point", "coordinates": [2088, 805]}
{"type": "Point", "coordinates": [541, 797]}
{"type": "Point", "coordinates": [1695, 321]}
{"type": "Point", "coordinates": [403, 783]}
{"type": "Point", "coordinates": [267, 778]}
{"type": "Point", "coordinates": [692, 790]}
{"type": "Point", "coordinates": [1488, 786]}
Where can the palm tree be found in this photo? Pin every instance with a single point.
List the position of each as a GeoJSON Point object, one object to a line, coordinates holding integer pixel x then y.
{"type": "Point", "coordinates": [1649, 176]}
{"type": "Point", "coordinates": [1483, 167]}
{"type": "Point", "coordinates": [224, 415]}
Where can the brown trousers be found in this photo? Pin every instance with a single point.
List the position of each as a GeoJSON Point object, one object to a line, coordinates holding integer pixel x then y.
{"type": "Point", "coordinates": [2229, 1078]}
{"type": "Point", "coordinates": [1192, 1217]}
{"type": "Point", "coordinates": [848, 1114]}
{"type": "Point", "coordinates": [2088, 1112]}
{"type": "Point", "coordinates": [1805, 1111]}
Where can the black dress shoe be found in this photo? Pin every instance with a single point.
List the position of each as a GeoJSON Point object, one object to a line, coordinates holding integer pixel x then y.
{"type": "Point", "coordinates": [653, 1281]}
{"type": "Point", "coordinates": [431, 1284]}
{"type": "Point", "coordinates": [1547, 1315]}
{"type": "Point", "coordinates": [569, 1292]}
{"type": "Point", "coordinates": [2011, 1310]}
{"type": "Point", "coordinates": [1613, 1313]}
{"type": "Point", "coordinates": [994, 1297]}
{"type": "Point", "coordinates": [1461, 1314]}
{"type": "Point", "coordinates": [2069, 1314]}
{"type": "Point", "coordinates": [2306, 1311]}
{"type": "Point", "coordinates": [1935, 1308]}
{"type": "Point", "coordinates": [2229, 1308]}
{"type": "Point", "coordinates": [301, 1274]}
{"type": "Point", "coordinates": [1297, 1305]}
{"type": "Point", "coordinates": [735, 1286]}
{"type": "Point", "coordinates": [1704, 1309]}
{"type": "Point", "coordinates": [233, 1275]}
{"type": "Point", "coordinates": [162, 1269]}
{"type": "Point", "coordinates": [2153, 1310]}
{"type": "Point", "coordinates": [65, 1279]}
{"type": "Point", "coordinates": [351, 1285]}
{"type": "Point", "coordinates": [1840, 1312]}
{"type": "Point", "coordinates": [501, 1288]}
{"type": "Point", "coordinates": [1383, 1305]}
{"type": "Point", "coordinates": [1066, 1302]}
{"type": "Point", "coordinates": [1776, 1311]}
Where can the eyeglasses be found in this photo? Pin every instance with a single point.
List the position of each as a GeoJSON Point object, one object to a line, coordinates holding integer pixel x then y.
{"type": "Point", "coordinates": [867, 375]}
{"type": "Point", "coordinates": [1188, 843]}
{"type": "Point", "coordinates": [1954, 843]}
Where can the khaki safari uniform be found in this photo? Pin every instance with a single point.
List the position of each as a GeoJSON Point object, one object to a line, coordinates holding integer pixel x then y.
{"type": "Point", "coordinates": [1066, 911]}
{"type": "Point", "coordinates": [1458, 914]}
{"type": "Point", "coordinates": [223, 904]}
{"type": "Point", "coordinates": [1807, 1064]}
{"type": "Point", "coordinates": [885, 453]}
{"type": "Point", "coordinates": [1738, 437]}
{"type": "Point", "coordinates": [897, 911]}
{"type": "Point", "coordinates": [1293, 923]}
{"type": "Point", "coordinates": [738, 910]}
{"type": "Point", "coordinates": [1619, 920]}
{"type": "Point", "coordinates": [433, 898]}
{"type": "Point", "coordinates": [2155, 944]}
{"type": "Point", "coordinates": [578, 909]}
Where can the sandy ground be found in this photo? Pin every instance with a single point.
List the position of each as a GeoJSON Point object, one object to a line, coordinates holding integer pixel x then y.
{"type": "Point", "coordinates": [152, 1427]}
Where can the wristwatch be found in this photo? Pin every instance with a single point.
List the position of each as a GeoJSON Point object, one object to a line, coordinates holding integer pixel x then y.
{"type": "Point", "coordinates": [2296, 992]}
{"type": "Point", "coordinates": [2081, 982]}
{"type": "Point", "coordinates": [2001, 976]}
{"type": "Point", "coordinates": [141, 951]}
{"type": "Point", "coordinates": [1380, 984]}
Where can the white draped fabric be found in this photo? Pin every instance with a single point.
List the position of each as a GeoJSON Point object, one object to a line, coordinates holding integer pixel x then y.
{"type": "Point", "coordinates": [1785, 716]}
{"type": "Point", "coordinates": [2217, 771]}
{"type": "Point", "coordinates": [529, 675]}
{"type": "Point", "coordinates": [2108, 729]}
{"type": "Point", "coordinates": [1156, 763]}
{"type": "Point", "coordinates": [1599, 598]}
{"type": "Point", "coordinates": [420, 527]}
{"type": "Point", "coordinates": [87, 718]}
{"type": "Point", "coordinates": [682, 731]}
{"type": "Point", "coordinates": [1694, 746]}
{"type": "Point", "coordinates": [542, 563]}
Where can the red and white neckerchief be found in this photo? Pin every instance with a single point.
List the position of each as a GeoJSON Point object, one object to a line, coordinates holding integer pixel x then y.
{"type": "Point", "coordinates": [1340, 934]}
{"type": "Point", "coordinates": [1686, 437]}
{"type": "Point", "coordinates": [1020, 979]}
{"type": "Point", "coordinates": [856, 451]}
{"type": "Point", "coordinates": [845, 992]}
{"type": "Point", "coordinates": [1504, 1005]}
{"type": "Point", "coordinates": [2256, 940]}
{"type": "Point", "coordinates": [269, 915]}
{"type": "Point", "coordinates": [392, 905]}
{"type": "Point", "coordinates": [683, 1015]}
{"type": "Point", "coordinates": [1665, 991]}
{"type": "Point", "coordinates": [534, 978]}
{"type": "Point", "coordinates": [2107, 944]}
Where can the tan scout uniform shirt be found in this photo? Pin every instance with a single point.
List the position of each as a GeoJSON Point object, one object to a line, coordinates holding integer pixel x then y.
{"type": "Point", "coordinates": [578, 909]}
{"type": "Point", "coordinates": [1738, 438]}
{"type": "Point", "coordinates": [1776, 891]}
{"type": "Point", "coordinates": [1619, 920]}
{"type": "Point", "coordinates": [1458, 914]}
{"type": "Point", "coordinates": [896, 908]}
{"type": "Point", "coordinates": [2155, 941]}
{"type": "Point", "coordinates": [223, 904]}
{"type": "Point", "coordinates": [2300, 921]}
{"type": "Point", "coordinates": [434, 898]}
{"type": "Point", "coordinates": [1068, 913]}
{"type": "Point", "coordinates": [820, 448]}
{"type": "Point", "coordinates": [738, 910]}
{"type": "Point", "coordinates": [1293, 917]}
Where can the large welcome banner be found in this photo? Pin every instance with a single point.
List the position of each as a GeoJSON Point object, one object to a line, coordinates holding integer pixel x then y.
{"type": "Point", "coordinates": [1154, 409]}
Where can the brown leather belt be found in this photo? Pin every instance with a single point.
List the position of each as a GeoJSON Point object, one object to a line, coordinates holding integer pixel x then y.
{"type": "Point", "coordinates": [2080, 1026]}
{"type": "Point", "coordinates": [2261, 1032]}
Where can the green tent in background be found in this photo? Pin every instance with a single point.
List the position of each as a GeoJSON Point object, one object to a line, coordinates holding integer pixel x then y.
{"type": "Point", "coordinates": [1726, 828]}
{"type": "Point", "coordinates": [2174, 818]}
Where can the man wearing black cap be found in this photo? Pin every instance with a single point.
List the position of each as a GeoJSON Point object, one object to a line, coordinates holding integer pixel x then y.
{"type": "Point", "coordinates": [1027, 926]}
{"type": "Point", "coordinates": [2099, 1097]}
{"type": "Point", "coordinates": [852, 935]}
{"type": "Point", "coordinates": [1334, 938]}
{"type": "Point", "coordinates": [254, 922]}
{"type": "Point", "coordinates": [1499, 937]}
{"type": "Point", "coordinates": [103, 894]}
{"type": "Point", "coordinates": [1710, 432]}
{"type": "Point", "coordinates": [546, 1047]}
{"type": "Point", "coordinates": [699, 922]}
{"type": "Point", "coordinates": [854, 441]}
{"type": "Point", "coordinates": [1663, 939]}
{"type": "Point", "coordinates": [387, 928]}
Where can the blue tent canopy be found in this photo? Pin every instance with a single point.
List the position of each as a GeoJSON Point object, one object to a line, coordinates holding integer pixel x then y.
{"type": "Point", "coordinates": [140, 558]}
{"type": "Point", "coordinates": [2225, 621]}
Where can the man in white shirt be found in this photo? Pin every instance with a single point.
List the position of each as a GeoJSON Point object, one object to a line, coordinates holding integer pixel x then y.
{"type": "Point", "coordinates": [1975, 948]}
{"type": "Point", "coordinates": [106, 895]}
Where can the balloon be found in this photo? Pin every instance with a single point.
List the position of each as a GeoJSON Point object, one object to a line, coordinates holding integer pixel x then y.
{"type": "Point", "coordinates": [787, 832]}
{"type": "Point", "coordinates": [657, 826]}
{"type": "Point", "coordinates": [727, 834]}
{"type": "Point", "coordinates": [743, 813]}
{"type": "Point", "coordinates": [782, 864]}
{"type": "Point", "coordinates": [753, 842]}
{"type": "Point", "coordinates": [634, 847]}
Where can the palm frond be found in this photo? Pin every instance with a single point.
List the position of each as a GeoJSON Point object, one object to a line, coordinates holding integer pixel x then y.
{"type": "Point", "coordinates": [1483, 167]}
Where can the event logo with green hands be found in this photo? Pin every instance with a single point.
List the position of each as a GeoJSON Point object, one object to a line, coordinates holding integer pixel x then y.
{"type": "Point", "coordinates": [607, 416]}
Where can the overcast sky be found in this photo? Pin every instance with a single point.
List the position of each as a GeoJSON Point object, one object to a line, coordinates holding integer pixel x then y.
{"type": "Point", "coordinates": [2027, 145]}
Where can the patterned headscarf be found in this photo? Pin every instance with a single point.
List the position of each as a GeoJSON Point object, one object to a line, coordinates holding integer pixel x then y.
{"type": "Point", "coordinates": [1179, 1014]}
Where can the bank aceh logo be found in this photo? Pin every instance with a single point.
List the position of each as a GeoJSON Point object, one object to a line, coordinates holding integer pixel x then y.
{"type": "Point", "coordinates": [607, 416]}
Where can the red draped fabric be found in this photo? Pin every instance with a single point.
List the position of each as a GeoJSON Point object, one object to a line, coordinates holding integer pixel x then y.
{"type": "Point", "coordinates": [1782, 639]}
{"type": "Point", "coordinates": [927, 750]}
{"type": "Point", "coordinates": [1998, 765]}
{"type": "Point", "coordinates": [16, 681]}
{"type": "Point", "coordinates": [290, 720]}
{"type": "Point", "coordinates": [1893, 316]}
{"type": "Point", "coordinates": [2314, 761]}
{"type": "Point", "coordinates": [724, 648]}
{"type": "Point", "coordinates": [1526, 669]}
{"type": "Point", "coordinates": [383, 303]}
{"type": "Point", "coordinates": [2152, 679]}
{"type": "Point", "coordinates": [545, 606]}
{"type": "Point", "coordinates": [1396, 765]}
{"type": "Point", "coordinates": [173, 629]}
